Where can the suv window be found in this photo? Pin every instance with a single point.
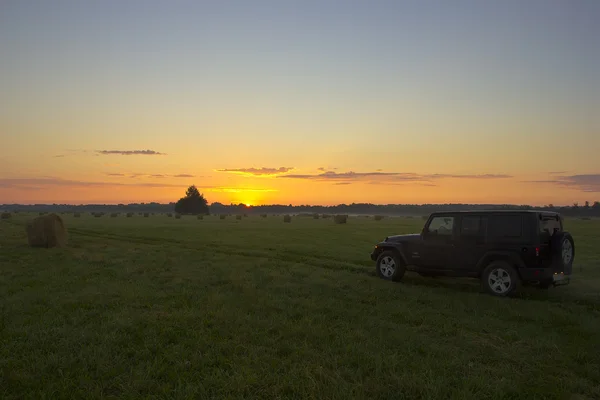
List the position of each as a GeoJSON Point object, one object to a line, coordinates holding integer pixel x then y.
{"type": "Point", "coordinates": [470, 226]}
{"type": "Point", "coordinates": [505, 226]}
{"type": "Point", "coordinates": [441, 225]}
{"type": "Point", "coordinates": [548, 225]}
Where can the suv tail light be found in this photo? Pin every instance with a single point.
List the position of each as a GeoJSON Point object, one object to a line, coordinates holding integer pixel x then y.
{"type": "Point", "coordinates": [537, 251]}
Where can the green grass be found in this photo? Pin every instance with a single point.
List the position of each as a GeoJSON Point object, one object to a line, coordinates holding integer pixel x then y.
{"type": "Point", "coordinates": [257, 308]}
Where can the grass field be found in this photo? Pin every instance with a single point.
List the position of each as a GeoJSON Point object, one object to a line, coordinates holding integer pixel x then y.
{"type": "Point", "coordinates": [164, 308]}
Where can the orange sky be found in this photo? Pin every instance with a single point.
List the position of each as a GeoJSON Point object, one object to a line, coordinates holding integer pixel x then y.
{"type": "Point", "coordinates": [384, 104]}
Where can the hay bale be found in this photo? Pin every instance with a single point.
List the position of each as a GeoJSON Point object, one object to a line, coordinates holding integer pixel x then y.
{"type": "Point", "coordinates": [340, 219]}
{"type": "Point", "coordinates": [5, 215]}
{"type": "Point", "coordinates": [146, 215]}
{"type": "Point", "coordinates": [177, 216]}
{"type": "Point", "coordinates": [325, 216]}
{"type": "Point", "coordinates": [169, 215]}
{"type": "Point", "coordinates": [287, 218]}
{"type": "Point", "coordinates": [238, 216]}
{"type": "Point", "coordinates": [97, 215]}
{"type": "Point", "coordinates": [77, 215]}
{"type": "Point", "coordinates": [315, 216]}
{"type": "Point", "coordinates": [263, 215]}
{"type": "Point", "coordinates": [222, 216]}
{"type": "Point", "coordinates": [378, 217]}
{"type": "Point", "coordinates": [47, 231]}
{"type": "Point", "coordinates": [199, 217]}
{"type": "Point", "coordinates": [114, 215]}
{"type": "Point", "coordinates": [129, 215]}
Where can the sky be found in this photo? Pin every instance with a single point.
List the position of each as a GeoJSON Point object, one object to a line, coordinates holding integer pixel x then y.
{"type": "Point", "coordinates": [300, 102]}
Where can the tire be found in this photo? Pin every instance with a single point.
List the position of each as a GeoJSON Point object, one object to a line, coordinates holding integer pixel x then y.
{"type": "Point", "coordinates": [501, 279]}
{"type": "Point", "coordinates": [562, 248]}
{"type": "Point", "coordinates": [390, 266]}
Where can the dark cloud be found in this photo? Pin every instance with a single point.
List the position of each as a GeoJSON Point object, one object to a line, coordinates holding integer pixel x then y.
{"type": "Point", "coordinates": [130, 152]}
{"type": "Point", "coordinates": [257, 171]}
{"type": "Point", "coordinates": [29, 183]}
{"type": "Point", "coordinates": [584, 182]}
{"type": "Point", "coordinates": [152, 175]}
{"type": "Point", "coordinates": [482, 176]}
{"type": "Point", "coordinates": [385, 177]}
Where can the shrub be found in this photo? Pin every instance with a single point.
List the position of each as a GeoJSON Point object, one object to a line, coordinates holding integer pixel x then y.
{"type": "Point", "coordinates": [340, 219]}
{"type": "Point", "coordinates": [287, 218]}
{"type": "Point", "coordinates": [238, 216]}
{"type": "Point", "coordinates": [378, 217]}
{"type": "Point", "coordinates": [47, 231]}
{"type": "Point", "coordinates": [222, 216]}
{"type": "Point", "coordinates": [177, 216]}
{"type": "Point", "coordinates": [146, 215]}
{"type": "Point", "coordinates": [5, 215]}
{"type": "Point", "coordinates": [245, 215]}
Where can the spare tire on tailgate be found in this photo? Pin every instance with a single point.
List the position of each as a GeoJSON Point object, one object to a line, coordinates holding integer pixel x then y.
{"type": "Point", "coordinates": [562, 247]}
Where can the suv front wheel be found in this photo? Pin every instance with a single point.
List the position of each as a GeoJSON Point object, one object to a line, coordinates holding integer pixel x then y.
{"type": "Point", "coordinates": [390, 266]}
{"type": "Point", "coordinates": [500, 278]}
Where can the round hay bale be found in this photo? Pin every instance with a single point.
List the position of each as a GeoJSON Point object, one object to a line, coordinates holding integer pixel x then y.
{"type": "Point", "coordinates": [378, 217]}
{"type": "Point", "coordinates": [114, 215]}
{"type": "Point", "coordinates": [177, 216]}
{"type": "Point", "coordinates": [222, 216]}
{"type": "Point", "coordinates": [146, 215]}
{"type": "Point", "coordinates": [129, 215]}
{"type": "Point", "coordinates": [315, 216]}
{"type": "Point", "coordinates": [47, 231]}
{"type": "Point", "coordinates": [97, 215]}
{"type": "Point", "coordinates": [340, 219]}
{"type": "Point", "coordinates": [238, 217]}
{"type": "Point", "coordinates": [287, 218]}
{"type": "Point", "coordinates": [5, 215]}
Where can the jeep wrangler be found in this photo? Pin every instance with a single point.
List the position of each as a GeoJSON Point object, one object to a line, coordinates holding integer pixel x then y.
{"type": "Point", "coordinates": [504, 249]}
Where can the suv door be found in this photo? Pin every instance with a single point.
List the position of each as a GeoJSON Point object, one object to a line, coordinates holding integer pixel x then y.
{"type": "Point", "coordinates": [437, 245]}
{"type": "Point", "coordinates": [470, 242]}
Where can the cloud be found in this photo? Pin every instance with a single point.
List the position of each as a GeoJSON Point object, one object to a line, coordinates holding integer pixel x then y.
{"type": "Point", "coordinates": [385, 177]}
{"type": "Point", "coordinates": [130, 152]}
{"type": "Point", "coordinates": [264, 171]}
{"type": "Point", "coordinates": [36, 183]}
{"type": "Point", "coordinates": [59, 156]}
{"type": "Point", "coordinates": [585, 182]}
{"type": "Point", "coordinates": [343, 183]}
{"type": "Point", "coordinates": [183, 176]}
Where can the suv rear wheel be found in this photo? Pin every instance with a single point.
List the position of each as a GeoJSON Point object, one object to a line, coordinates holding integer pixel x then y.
{"type": "Point", "coordinates": [500, 278]}
{"type": "Point", "coordinates": [390, 266]}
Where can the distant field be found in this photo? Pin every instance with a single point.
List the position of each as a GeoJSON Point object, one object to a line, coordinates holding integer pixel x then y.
{"type": "Point", "coordinates": [256, 308]}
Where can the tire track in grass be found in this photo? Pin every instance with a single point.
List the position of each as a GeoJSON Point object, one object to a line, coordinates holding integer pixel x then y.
{"type": "Point", "coordinates": [275, 255]}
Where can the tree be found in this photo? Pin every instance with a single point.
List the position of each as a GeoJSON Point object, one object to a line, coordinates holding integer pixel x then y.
{"type": "Point", "coordinates": [596, 205]}
{"type": "Point", "coordinates": [193, 202]}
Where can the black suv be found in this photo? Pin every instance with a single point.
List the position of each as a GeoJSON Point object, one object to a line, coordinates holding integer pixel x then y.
{"type": "Point", "coordinates": [503, 249]}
